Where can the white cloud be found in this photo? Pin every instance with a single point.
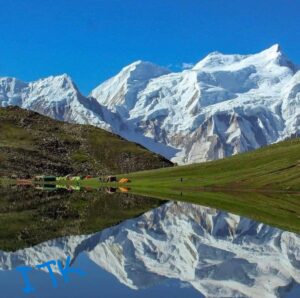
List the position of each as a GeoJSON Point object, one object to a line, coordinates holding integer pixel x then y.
{"type": "Point", "coordinates": [186, 65]}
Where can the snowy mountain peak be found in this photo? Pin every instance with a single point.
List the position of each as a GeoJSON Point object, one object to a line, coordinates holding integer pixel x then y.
{"type": "Point", "coordinates": [274, 54]}
{"type": "Point", "coordinates": [124, 87]}
{"type": "Point", "coordinates": [217, 60]}
{"type": "Point", "coordinates": [226, 104]}
{"type": "Point", "coordinates": [141, 71]}
{"type": "Point", "coordinates": [275, 48]}
{"type": "Point", "coordinates": [54, 96]}
{"type": "Point", "coordinates": [189, 114]}
{"type": "Point", "coordinates": [63, 81]}
{"type": "Point", "coordinates": [53, 89]}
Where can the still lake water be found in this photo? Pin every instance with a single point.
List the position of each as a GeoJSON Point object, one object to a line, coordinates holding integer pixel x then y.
{"type": "Point", "coordinates": [140, 248]}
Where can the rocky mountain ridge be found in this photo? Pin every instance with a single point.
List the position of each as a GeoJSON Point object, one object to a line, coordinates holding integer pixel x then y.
{"type": "Point", "coordinates": [224, 105]}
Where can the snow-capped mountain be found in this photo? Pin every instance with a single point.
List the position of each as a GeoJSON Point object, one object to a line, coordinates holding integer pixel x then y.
{"type": "Point", "coordinates": [119, 93]}
{"type": "Point", "coordinates": [218, 253]}
{"type": "Point", "coordinates": [224, 105]}
{"type": "Point", "coordinates": [56, 97]}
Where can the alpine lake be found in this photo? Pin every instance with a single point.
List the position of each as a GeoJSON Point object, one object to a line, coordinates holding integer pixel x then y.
{"type": "Point", "coordinates": [111, 242]}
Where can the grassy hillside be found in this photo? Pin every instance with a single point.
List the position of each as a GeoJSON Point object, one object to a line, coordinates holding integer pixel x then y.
{"type": "Point", "coordinates": [34, 144]}
{"type": "Point", "coordinates": [263, 185]}
{"type": "Point", "coordinates": [272, 168]}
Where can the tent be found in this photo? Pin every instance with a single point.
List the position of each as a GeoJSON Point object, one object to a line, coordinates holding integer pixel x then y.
{"type": "Point", "coordinates": [124, 180]}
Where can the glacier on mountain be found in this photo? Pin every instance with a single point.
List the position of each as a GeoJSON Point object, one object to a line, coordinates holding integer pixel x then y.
{"type": "Point", "coordinates": [218, 253]}
{"type": "Point", "coordinates": [224, 105]}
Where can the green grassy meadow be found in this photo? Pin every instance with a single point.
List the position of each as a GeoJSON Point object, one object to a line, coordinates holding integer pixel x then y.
{"type": "Point", "coordinates": [272, 168]}
{"type": "Point", "coordinates": [263, 185]}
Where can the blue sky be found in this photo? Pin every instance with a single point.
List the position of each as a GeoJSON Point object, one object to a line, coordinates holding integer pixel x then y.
{"type": "Point", "coordinates": [92, 40]}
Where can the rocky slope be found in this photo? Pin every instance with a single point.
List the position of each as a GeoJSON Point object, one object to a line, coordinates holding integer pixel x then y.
{"type": "Point", "coordinates": [218, 253]}
{"type": "Point", "coordinates": [34, 144]}
{"type": "Point", "coordinates": [224, 105]}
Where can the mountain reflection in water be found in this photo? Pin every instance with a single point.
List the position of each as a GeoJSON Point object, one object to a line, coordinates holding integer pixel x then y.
{"type": "Point", "coordinates": [177, 249]}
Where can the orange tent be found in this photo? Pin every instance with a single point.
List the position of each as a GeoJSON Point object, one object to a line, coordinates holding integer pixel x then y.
{"type": "Point", "coordinates": [124, 180]}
